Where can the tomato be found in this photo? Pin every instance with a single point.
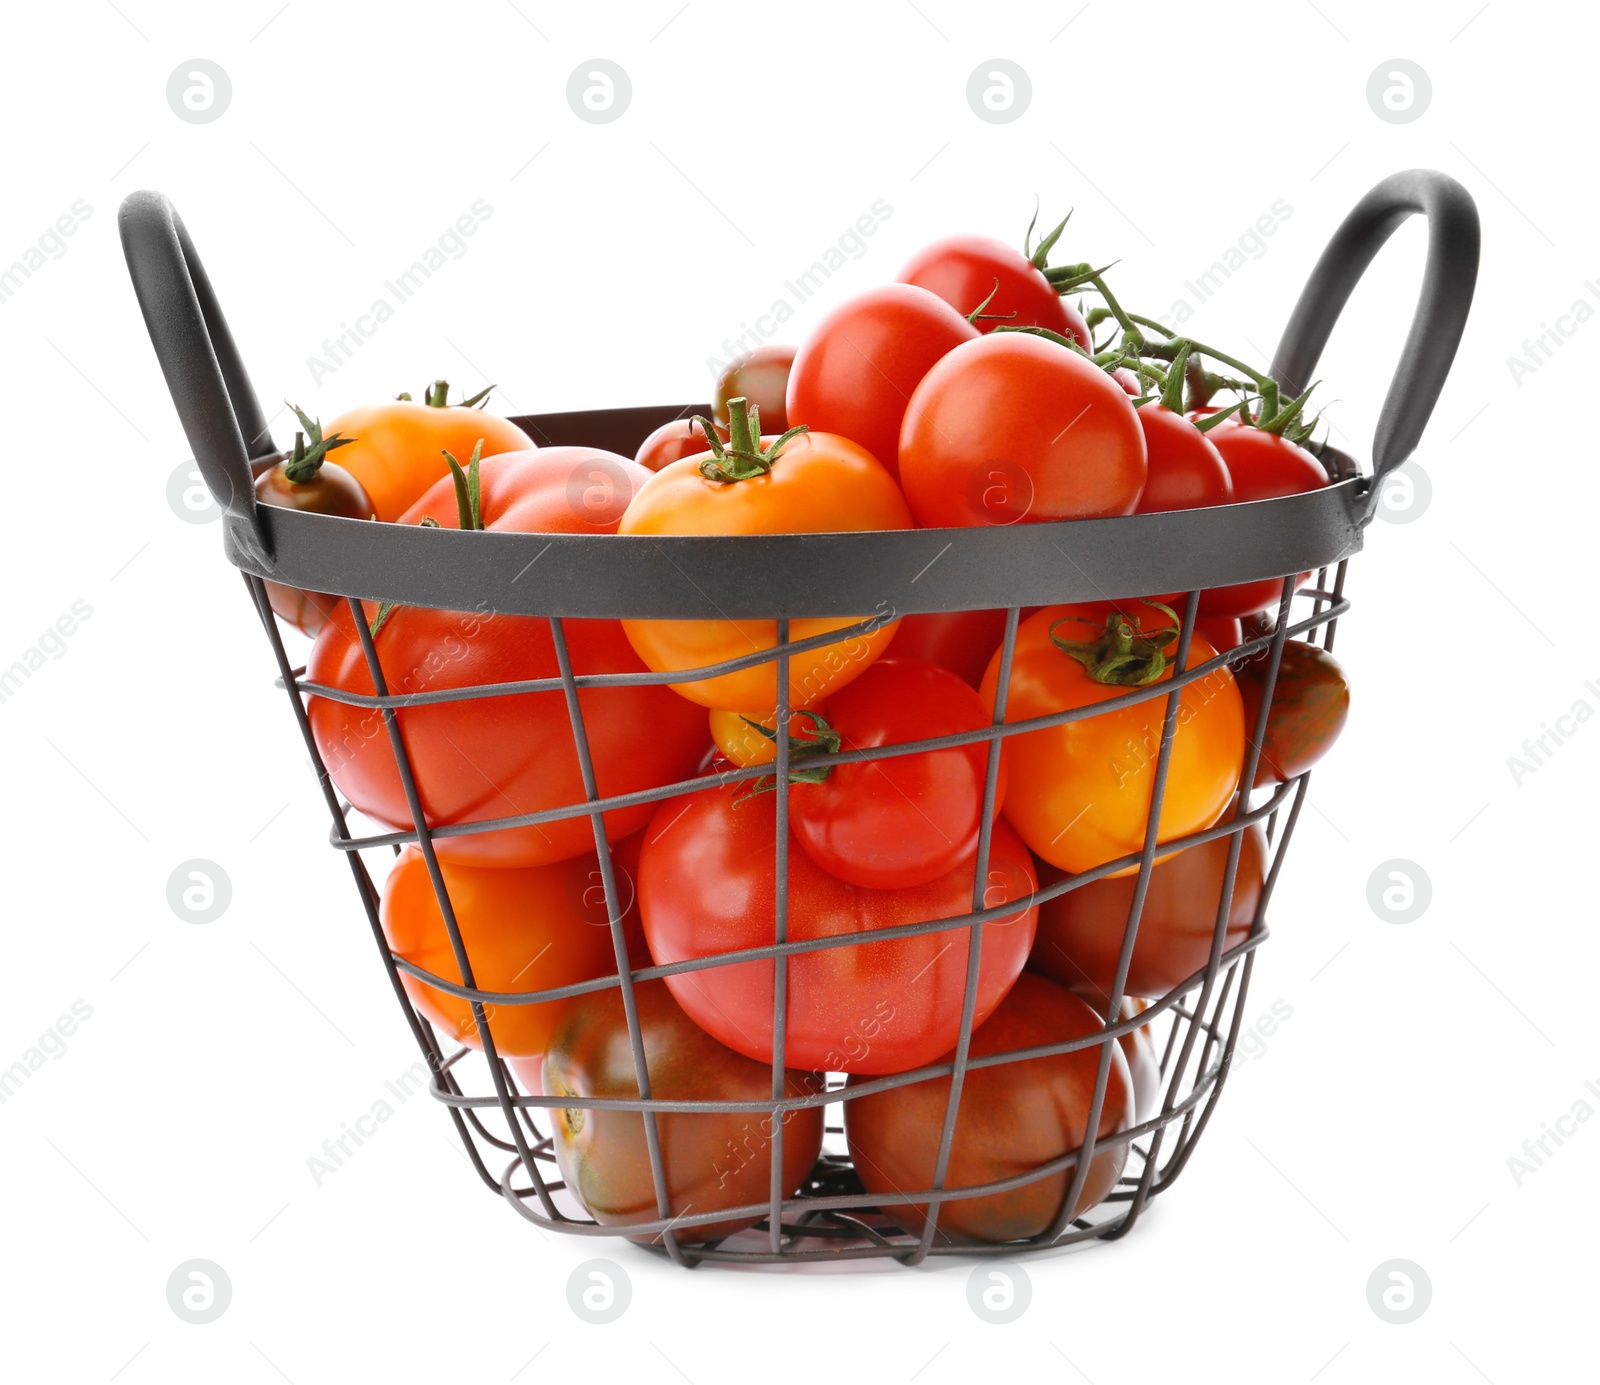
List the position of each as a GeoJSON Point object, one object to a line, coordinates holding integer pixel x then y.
{"type": "Point", "coordinates": [1129, 382]}
{"type": "Point", "coordinates": [1081, 931]}
{"type": "Point", "coordinates": [1144, 1064]}
{"type": "Point", "coordinates": [1222, 633]}
{"type": "Point", "coordinates": [1014, 427]}
{"type": "Point", "coordinates": [803, 484]}
{"type": "Point", "coordinates": [397, 449]}
{"type": "Point", "coordinates": [1262, 466]}
{"type": "Point", "coordinates": [502, 756]}
{"type": "Point", "coordinates": [308, 481]}
{"type": "Point", "coordinates": [1185, 469]}
{"type": "Point", "coordinates": [712, 1160]}
{"type": "Point", "coordinates": [671, 442]}
{"type": "Point", "coordinates": [965, 270]}
{"type": "Point", "coordinates": [856, 371]}
{"type": "Point", "coordinates": [523, 930]}
{"type": "Point", "coordinates": [707, 885]}
{"type": "Point", "coordinates": [1310, 704]}
{"type": "Point", "coordinates": [961, 641]}
{"type": "Point", "coordinates": [1079, 792]}
{"type": "Point", "coordinates": [761, 378]}
{"type": "Point", "coordinates": [1013, 1117]}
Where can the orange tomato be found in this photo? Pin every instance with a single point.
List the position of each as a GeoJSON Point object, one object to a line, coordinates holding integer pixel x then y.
{"type": "Point", "coordinates": [1079, 793]}
{"type": "Point", "coordinates": [800, 483]}
{"type": "Point", "coordinates": [397, 447]}
{"type": "Point", "coordinates": [524, 929]}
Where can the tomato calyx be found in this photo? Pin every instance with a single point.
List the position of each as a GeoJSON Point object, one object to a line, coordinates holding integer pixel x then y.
{"type": "Point", "coordinates": [823, 740]}
{"type": "Point", "coordinates": [305, 462]}
{"type": "Point", "coordinates": [742, 457]}
{"type": "Point", "coordinates": [469, 495]}
{"type": "Point", "coordinates": [1125, 655]}
{"type": "Point", "coordinates": [437, 396]}
{"type": "Point", "coordinates": [978, 315]}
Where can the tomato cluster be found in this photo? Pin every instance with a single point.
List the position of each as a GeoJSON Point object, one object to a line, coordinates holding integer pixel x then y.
{"type": "Point", "coordinates": [970, 391]}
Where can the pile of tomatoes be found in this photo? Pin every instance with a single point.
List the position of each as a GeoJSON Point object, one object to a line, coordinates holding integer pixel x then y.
{"type": "Point", "coordinates": [970, 391]}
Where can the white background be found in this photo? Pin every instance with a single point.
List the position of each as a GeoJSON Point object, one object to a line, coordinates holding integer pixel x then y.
{"type": "Point", "coordinates": [1375, 1123]}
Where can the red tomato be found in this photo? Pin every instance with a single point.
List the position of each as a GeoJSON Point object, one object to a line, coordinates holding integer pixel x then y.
{"type": "Point", "coordinates": [964, 270]}
{"type": "Point", "coordinates": [673, 441]}
{"type": "Point", "coordinates": [761, 378]}
{"type": "Point", "coordinates": [1013, 1117]}
{"type": "Point", "coordinates": [961, 641]}
{"type": "Point", "coordinates": [1185, 470]}
{"type": "Point", "coordinates": [1016, 428]}
{"type": "Point", "coordinates": [502, 756]}
{"type": "Point", "coordinates": [1128, 380]}
{"type": "Point", "coordinates": [856, 371]}
{"type": "Point", "coordinates": [1262, 466]}
{"type": "Point", "coordinates": [907, 820]}
{"type": "Point", "coordinates": [707, 886]}
{"type": "Point", "coordinates": [1222, 633]}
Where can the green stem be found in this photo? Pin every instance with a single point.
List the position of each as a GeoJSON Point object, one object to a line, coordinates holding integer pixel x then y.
{"type": "Point", "coordinates": [742, 457]}
{"type": "Point", "coordinates": [1124, 655]}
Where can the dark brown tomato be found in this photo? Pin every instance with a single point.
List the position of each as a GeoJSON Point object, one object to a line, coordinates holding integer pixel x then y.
{"type": "Point", "coordinates": [762, 377]}
{"type": "Point", "coordinates": [1080, 932]}
{"type": "Point", "coordinates": [331, 491]}
{"type": "Point", "coordinates": [1310, 704]}
{"type": "Point", "coordinates": [1013, 1118]}
{"type": "Point", "coordinates": [712, 1160]}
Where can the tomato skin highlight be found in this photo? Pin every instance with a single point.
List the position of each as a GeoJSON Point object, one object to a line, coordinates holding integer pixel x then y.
{"type": "Point", "coordinates": [524, 930]}
{"type": "Point", "coordinates": [1079, 793]}
{"type": "Point", "coordinates": [1310, 705]}
{"type": "Point", "coordinates": [965, 270]}
{"type": "Point", "coordinates": [712, 1160]}
{"type": "Point", "coordinates": [856, 372]}
{"type": "Point", "coordinates": [1014, 428]}
{"type": "Point", "coordinates": [707, 884]}
{"type": "Point", "coordinates": [1013, 1117]}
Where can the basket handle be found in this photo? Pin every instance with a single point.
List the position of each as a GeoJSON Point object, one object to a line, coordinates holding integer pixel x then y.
{"type": "Point", "coordinates": [1448, 280]}
{"type": "Point", "coordinates": [216, 403]}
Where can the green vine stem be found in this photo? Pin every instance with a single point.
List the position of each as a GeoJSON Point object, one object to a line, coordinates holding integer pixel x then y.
{"type": "Point", "coordinates": [823, 740]}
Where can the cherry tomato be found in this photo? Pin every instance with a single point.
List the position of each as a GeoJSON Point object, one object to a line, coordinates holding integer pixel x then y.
{"type": "Point", "coordinates": [523, 930]}
{"type": "Point", "coordinates": [712, 1159]}
{"type": "Point", "coordinates": [1079, 793]}
{"type": "Point", "coordinates": [707, 886]}
{"type": "Point", "coordinates": [809, 483]}
{"type": "Point", "coordinates": [673, 441]}
{"type": "Point", "coordinates": [1015, 428]}
{"type": "Point", "coordinates": [855, 373]}
{"type": "Point", "coordinates": [502, 756]}
{"type": "Point", "coordinates": [965, 270]}
{"type": "Point", "coordinates": [961, 641]}
{"type": "Point", "coordinates": [761, 378]}
{"type": "Point", "coordinates": [1262, 466]}
{"type": "Point", "coordinates": [1081, 931]}
{"type": "Point", "coordinates": [1185, 469]}
{"type": "Point", "coordinates": [1013, 1117]}
{"type": "Point", "coordinates": [1310, 704]}
{"type": "Point", "coordinates": [397, 449]}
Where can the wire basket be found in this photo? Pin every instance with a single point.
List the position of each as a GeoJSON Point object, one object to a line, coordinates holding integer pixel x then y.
{"type": "Point", "coordinates": [1196, 1023]}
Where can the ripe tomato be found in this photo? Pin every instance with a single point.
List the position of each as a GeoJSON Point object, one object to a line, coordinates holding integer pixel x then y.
{"type": "Point", "coordinates": [1079, 793]}
{"type": "Point", "coordinates": [707, 882]}
{"type": "Point", "coordinates": [1185, 469]}
{"type": "Point", "coordinates": [1222, 633]}
{"type": "Point", "coordinates": [1262, 466]}
{"type": "Point", "coordinates": [712, 1159]}
{"type": "Point", "coordinates": [856, 371]}
{"type": "Point", "coordinates": [673, 441]}
{"type": "Point", "coordinates": [397, 449]}
{"type": "Point", "coordinates": [502, 756]}
{"type": "Point", "coordinates": [965, 270]}
{"type": "Point", "coordinates": [907, 820]}
{"type": "Point", "coordinates": [523, 930]}
{"type": "Point", "coordinates": [1013, 1117]}
{"type": "Point", "coordinates": [761, 378]}
{"type": "Point", "coordinates": [1310, 704]}
{"type": "Point", "coordinates": [806, 484]}
{"type": "Point", "coordinates": [1144, 1064]}
{"type": "Point", "coordinates": [961, 641]}
{"type": "Point", "coordinates": [1081, 931]}
{"type": "Point", "coordinates": [1014, 427]}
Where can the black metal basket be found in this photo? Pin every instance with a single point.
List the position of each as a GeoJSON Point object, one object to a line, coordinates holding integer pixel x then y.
{"type": "Point", "coordinates": [831, 1218]}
